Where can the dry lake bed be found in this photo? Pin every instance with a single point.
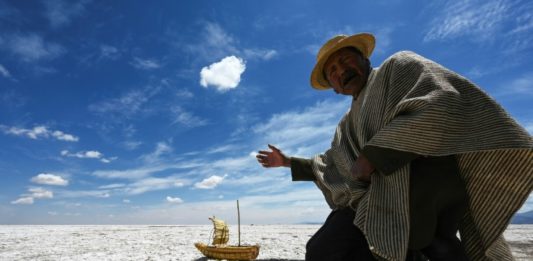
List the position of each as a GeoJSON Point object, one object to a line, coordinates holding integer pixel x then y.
{"type": "Point", "coordinates": [144, 242]}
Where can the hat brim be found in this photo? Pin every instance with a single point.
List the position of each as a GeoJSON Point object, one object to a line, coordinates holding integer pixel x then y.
{"type": "Point", "coordinates": [364, 42]}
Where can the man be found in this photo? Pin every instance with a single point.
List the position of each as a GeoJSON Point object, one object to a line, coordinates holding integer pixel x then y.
{"type": "Point", "coordinates": [421, 152]}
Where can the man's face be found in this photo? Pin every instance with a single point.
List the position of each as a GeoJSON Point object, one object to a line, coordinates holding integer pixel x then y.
{"type": "Point", "coordinates": [346, 71]}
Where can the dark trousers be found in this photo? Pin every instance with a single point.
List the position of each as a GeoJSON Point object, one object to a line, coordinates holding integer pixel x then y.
{"type": "Point", "coordinates": [340, 240]}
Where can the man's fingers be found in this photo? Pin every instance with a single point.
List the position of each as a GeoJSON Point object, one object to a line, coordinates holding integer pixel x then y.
{"type": "Point", "coordinates": [266, 153]}
{"type": "Point", "coordinates": [272, 147]}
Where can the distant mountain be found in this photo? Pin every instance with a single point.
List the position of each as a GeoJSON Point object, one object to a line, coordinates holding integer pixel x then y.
{"type": "Point", "coordinates": [523, 218]}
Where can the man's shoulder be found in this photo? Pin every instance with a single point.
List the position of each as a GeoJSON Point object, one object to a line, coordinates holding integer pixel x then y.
{"type": "Point", "coordinates": [405, 57]}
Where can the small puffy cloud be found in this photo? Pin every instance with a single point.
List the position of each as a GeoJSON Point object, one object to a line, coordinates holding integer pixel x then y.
{"type": "Point", "coordinates": [127, 201]}
{"type": "Point", "coordinates": [4, 72]}
{"type": "Point", "coordinates": [49, 179]}
{"type": "Point", "coordinates": [174, 200]}
{"type": "Point", "coordinates": [223, 75]}
{"type": "Point", "coordinates": [145, 64]}
{"type": "Point", "coordinates": [210, 182]}
{"type": "Point", "coordinates": [40, 193]}
{"type": "Point", "coordinates": [39, 132]}
{"type": "Point", "coordinates": [23, 201]}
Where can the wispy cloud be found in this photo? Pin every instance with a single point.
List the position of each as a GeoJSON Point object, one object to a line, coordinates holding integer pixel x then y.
{"type": "Point", "coordinates": [187, 118]}
{"type": "Point", "coordinates": [109, 52]}
{"type": "Point", "coordinates": [23, 201]}
{"type": "Point", "coordinates": [529, 128]}
{"type": "Point", "coordinates": [153, 184]}
{"type": "Point", "coordinates": [31, 47]}
{"type": "Point", "coordinates": [39, 132]}
{"type": "Point", "coordinates": [34, 193]}
{"type": "Point", "coordinates": [90, 154]}
{"type": "Point", "coordinates": [259, 54]}
{"type": "Point", "coordinates": [216, 43]}
{"type": "Point", "coordinates": [480, 21]}
{"type": "Point", "coordinates": [161, 149]}
{"type": "Point", "coordinates": [131, 145]}
{"type": "Point", "coordinates": [145, 64]}
{"type": "Point", "coordinates": [303, 131]}
{"type": "Point", "coordinates": [4, 72]}
{"type": "Point", "coordinates": [40, 193]}
{"type": "Point", "coordinates": [49, 179]}
{"type": "Point", "coordinates": [144, 185]}
{"type": "Point", "coordinates": [223, 75]}
{"type": "Point", "coordinates": [210, 183]}
{"type": "Point", "coordinates": [60, 13]}
{"type": "Point", "coordinates": [520, 87]}
{"type": "Point", "coordinates": [126, 106]}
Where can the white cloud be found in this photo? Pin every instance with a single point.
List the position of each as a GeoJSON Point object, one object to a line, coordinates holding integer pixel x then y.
{"type": "Point", "coordinates": [127, 201]}
{"type": "Point", "coordinates": [38, 132]}
{"type": "Point", "coordinates": [31, 47]}
{"type": "Point", "coordinates": [223, 75]}
{"type": "Point", "coordinates": [23, 201]}
{"type": "Point", "coordinates": [49, 179]}
{"type": "Point", "coordinates": [4, 72]}
{"type": "Point", "coordinates": [60, 13]}
{"type": "Point", "coordinates": [187, 118]}
{"type": "Point", "coordinates": [91, 154]}
{"type": "Point", "coordinates": [210, 182]}
{"type": "Point", "coordinates": [145, 64]}
{"type": "Point", "coordinates": [40, 193]}
{"type": "Point", "coordinates": [175, 200]}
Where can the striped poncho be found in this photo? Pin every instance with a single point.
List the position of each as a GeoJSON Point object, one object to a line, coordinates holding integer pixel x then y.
{"type": "Point", "coordinates": [415, 105]}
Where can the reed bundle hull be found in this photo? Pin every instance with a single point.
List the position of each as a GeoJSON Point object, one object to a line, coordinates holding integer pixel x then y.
{"type": "Point", "coordinates": [229, 252]}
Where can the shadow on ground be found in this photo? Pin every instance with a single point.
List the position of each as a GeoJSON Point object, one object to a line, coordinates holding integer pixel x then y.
{"type": "Point", "coordinates": [271, 259]}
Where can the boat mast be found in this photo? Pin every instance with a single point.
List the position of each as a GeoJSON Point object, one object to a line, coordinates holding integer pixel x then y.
{"type": "Point", "coordinates": [239, 221]}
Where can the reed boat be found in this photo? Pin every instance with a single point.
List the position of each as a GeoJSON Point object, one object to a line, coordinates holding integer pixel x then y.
{"type": "Point", "coordinates": [219, 249]}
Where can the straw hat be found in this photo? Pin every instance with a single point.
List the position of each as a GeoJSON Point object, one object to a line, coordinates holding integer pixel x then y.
{"type": "Point", "coordinates": [364, 42]}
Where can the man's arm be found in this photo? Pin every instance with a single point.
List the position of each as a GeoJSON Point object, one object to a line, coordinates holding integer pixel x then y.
{"type": "Point", "coordinates": [383, 160]}
{"type": "Point", "coordinates": [301, 169]}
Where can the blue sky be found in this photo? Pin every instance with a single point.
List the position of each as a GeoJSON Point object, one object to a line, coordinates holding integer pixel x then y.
{"type": "Point", "coordinates": [125, 112]}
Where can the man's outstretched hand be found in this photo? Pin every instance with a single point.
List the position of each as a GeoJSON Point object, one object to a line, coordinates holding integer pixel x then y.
{"type": "Point", "coordinates": [274, 158]}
